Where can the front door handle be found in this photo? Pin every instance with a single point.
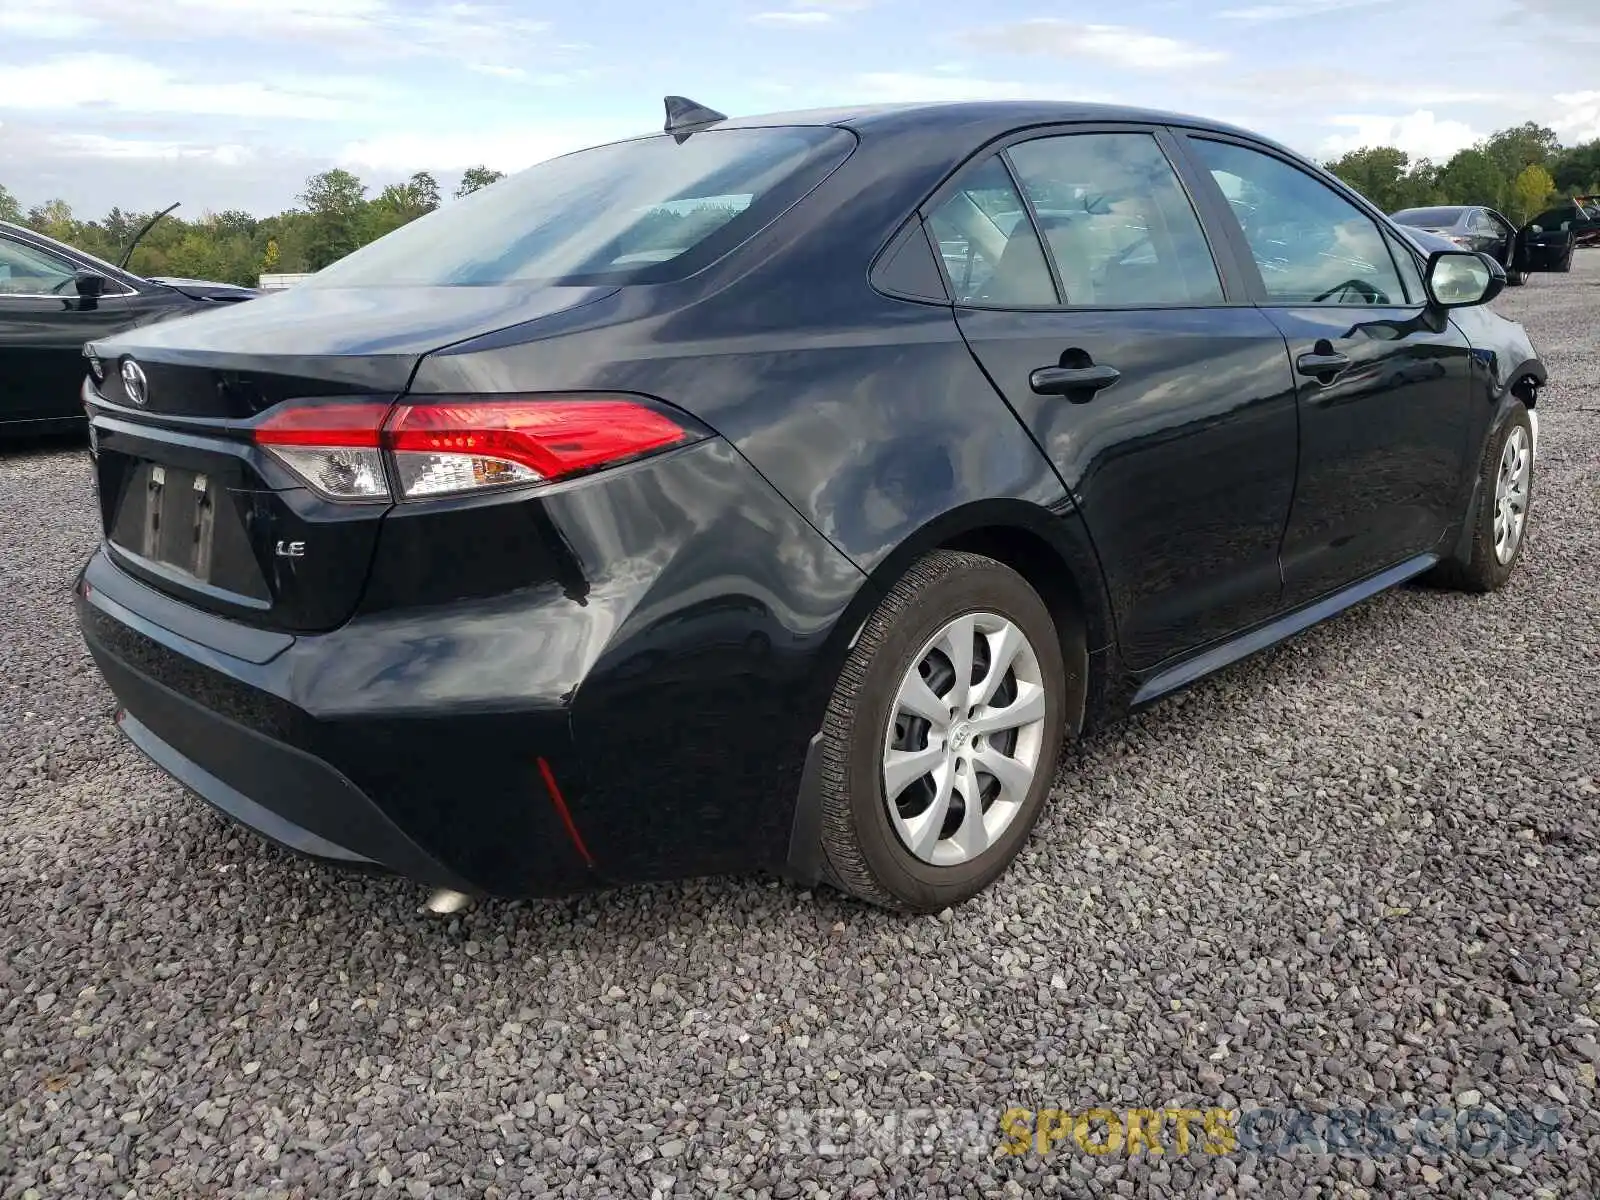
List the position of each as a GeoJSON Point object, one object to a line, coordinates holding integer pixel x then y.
{"type": "Point", "coordinates": [1076, 383]}
{"type": "Point", "coordinates": [1323, 363]}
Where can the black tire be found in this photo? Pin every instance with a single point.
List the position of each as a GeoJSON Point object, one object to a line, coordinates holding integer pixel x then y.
{"type": "Point", "coordinates": [1516, 278]}
{"type": "Point", "coordinates": [1482, 570]}
{"type": "Point", "coordinates": [1566, 263]}
{"type": "Point", "coordinates": [863, 854]}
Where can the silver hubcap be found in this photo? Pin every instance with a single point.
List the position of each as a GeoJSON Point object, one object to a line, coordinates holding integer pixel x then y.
{"type": "Point", "coordinates": [965, 739]}
{"type": "Point", "coordinates": [1511, 494]}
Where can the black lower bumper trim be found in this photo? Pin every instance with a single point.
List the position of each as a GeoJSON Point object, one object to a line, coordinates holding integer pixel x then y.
{"type": "Point", "coordinates": [230, 800]}
{"type": "Point", "coordinates": [293, 798]}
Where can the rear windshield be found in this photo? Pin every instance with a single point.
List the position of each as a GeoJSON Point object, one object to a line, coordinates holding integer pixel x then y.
{"type": "Point", "coordinates": [633, 211]}
{"type": "Point", "coordinates": [1438, 217]}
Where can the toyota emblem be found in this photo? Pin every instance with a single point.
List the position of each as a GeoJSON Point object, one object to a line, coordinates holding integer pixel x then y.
{"type": "Point", "coordinates": [134, 383]}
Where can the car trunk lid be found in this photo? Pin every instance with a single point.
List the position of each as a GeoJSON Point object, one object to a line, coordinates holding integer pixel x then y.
{"type": "Point", "coordinates": [191, 505]}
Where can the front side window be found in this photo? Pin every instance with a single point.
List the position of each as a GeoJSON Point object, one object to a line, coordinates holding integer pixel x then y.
{"type": "Point", "coordinates": [637, 211]}
{"type": "Point", "coordinates": [987, 242]}
{"type": "Point", "coordinates": [1311, 245]}
{"type": "Point", "coordinates": [26, 271]}
{"type": "Point", "coordinates": [1555, 218]}
{"type": "Point", "coordinates": [1116, 220]}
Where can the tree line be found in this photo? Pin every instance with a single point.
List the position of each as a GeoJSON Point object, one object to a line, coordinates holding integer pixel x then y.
{"type": "Point", "coordinates": [1519, 171]}
{"type": "Point", "coordinates": [333, 217]}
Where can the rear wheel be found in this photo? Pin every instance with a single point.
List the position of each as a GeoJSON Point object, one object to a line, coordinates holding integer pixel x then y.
{"type": "Point", "coordinates": [1566, 263]}
{"type": "Point", "coordinates": [1516, 278]}
{"type": "Point", "coordinates": [1500, 518]}
{"type": "Point", "coordinates": [943, 734]}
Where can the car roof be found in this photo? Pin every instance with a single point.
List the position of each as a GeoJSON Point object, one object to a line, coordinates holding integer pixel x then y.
{"type": "Point", "coordinates": [986, 119]}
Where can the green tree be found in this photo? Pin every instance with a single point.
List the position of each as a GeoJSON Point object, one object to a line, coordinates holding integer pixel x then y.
{"type": "Point", "coordinates": [407, 201]}
{"type": "Point", "coordinates": [474, 178]}
{"type": "Point", "coordinates": [1577, 168]}
{"type": "Point", "coordinates": [335, 200]}
{"type": "Point", "coordinates": [10, 210]}
{"type": "Point", "coordinates": [1387, 177]}
{"type": "Point", "coordinates": [1529, 191]}
{"type": "Point", "coordinates": [1472, 177]}
{"type": "Point", "coordinates": [54, 219]}
{"type": "Point", "coordinates": [1528, 144]}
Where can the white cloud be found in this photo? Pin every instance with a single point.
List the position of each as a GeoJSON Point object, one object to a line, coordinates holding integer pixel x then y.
{"type": "Point", "coordinates": [1295, 10]}
{"type": "Point", "coordinates": [492, 33]}
{"type": "Point", "coordinates": [94, 145]}
{"type": "Point", "coordinates": [796, 19]}
{"type": "Point", "coordinates": [41, 19]}
{"type": "Point", "coordinates": [893, 87]}
{"type": "Point", "coordinates": [1420, 134]}
{"type": "Point", "coordinates": [1116, 45]}
{"type": "Point", "coordinates": [502, 149]}
{"type": "Point", "coordinates": [110, 82]}
{"type": "Point", "coordinates": [1581, 120]}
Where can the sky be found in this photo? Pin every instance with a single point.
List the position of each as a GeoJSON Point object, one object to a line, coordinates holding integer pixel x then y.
{"type": "Point", "coordinates": [231, 104]}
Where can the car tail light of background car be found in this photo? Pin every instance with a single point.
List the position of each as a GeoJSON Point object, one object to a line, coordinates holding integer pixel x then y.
{"type": "Point", "coordinates": [366, 451]}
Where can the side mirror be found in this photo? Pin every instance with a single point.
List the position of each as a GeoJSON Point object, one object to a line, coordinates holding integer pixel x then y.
{"type": "Point", "coordinates": [1462, 278]}
{"type": "Point", "coordinates": [91, 286]}
{"type": "Point", "coordinates": [1535, 228]}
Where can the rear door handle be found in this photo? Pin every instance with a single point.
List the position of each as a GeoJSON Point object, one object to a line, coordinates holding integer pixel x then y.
{"type": "Point", "coordinates": [1322, 365]}
{"type": "Point", "coordinates": [1076, 383]}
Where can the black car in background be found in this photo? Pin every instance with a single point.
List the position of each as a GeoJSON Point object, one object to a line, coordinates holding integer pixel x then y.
{"type": "Point", "coordinates": [1520, 252]}
{"type": "Point", "coordinates": [54, 299]}
{"type": "Point", "coordinates": [781, 492]}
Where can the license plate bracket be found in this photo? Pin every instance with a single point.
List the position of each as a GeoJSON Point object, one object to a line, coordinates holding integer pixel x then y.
{"type": "Point", "coordinates": [176, 519]}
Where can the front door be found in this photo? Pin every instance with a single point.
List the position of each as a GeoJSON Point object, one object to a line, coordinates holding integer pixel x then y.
{"type": "Point", "coordinates": [43, 328]}
{"type": "Point", "coordinates": [1384, 379]}
{"type": "Point", "coordinates": [1167, 409]}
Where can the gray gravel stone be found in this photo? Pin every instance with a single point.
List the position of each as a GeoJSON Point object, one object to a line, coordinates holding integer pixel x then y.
{"type": "Point", "coordinates": [1361, 870]}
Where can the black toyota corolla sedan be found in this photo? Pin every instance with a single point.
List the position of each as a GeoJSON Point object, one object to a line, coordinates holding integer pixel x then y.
{"type": "Point", "coordinates": [53, 299]}
{"type": "Point", "coordinates": [781, 492]}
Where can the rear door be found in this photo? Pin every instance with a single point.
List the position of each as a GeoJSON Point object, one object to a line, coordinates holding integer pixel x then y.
{"type": "Point", "coordinates": [43, 327]}
{"type": "Point", "coordinates": [1384, 380]}
{"type": "Point", "coordinates": [1162, 396]}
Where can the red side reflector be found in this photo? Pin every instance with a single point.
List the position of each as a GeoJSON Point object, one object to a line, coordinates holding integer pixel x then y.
{"type": "Point", "coordinates": [562, 811]}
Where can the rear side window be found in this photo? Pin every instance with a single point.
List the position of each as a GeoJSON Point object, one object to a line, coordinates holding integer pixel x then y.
{"type": "Point", "coordinates": [636, 211]}
{"type": "Point", "coordinates": [987, 244]}
{"type": "Point", "coordinates": [1116, 220]}
{"type": "Point", "coordinates": [1429, 218]}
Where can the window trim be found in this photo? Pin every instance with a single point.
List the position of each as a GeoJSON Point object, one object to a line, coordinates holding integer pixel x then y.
{"type": "Point", "coordinates": [1235, 292]}
{"type": "Point", "coordinates": [1235, 233]}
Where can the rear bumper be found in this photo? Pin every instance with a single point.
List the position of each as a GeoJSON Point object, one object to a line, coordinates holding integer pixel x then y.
{"type": "Point", "coordinates": [229, 730]}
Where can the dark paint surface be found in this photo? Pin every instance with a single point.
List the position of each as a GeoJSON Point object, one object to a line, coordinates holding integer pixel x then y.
{"type": "Point", "coordinates": [1183, 470]}
{"type": "Point", "coordinates": [666, 634]}
{"type": "Point", "coordinates": [1383, 446]}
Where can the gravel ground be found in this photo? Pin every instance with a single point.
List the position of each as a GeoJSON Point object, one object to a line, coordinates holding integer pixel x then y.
{"type": "Point", "coordinates": [1361, 870]}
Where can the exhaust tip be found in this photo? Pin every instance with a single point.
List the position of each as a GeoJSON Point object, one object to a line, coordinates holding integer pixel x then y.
{"type": "Point", "coordinates": [446, 902]}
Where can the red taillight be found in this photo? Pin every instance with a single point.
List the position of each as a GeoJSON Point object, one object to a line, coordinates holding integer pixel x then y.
{"type": "Point", "coordinates": [332, 446]}
{"type": "Point", "coordinates": [451, 446]}
{"type": "Point", "coordinates": [336, 424]}
{"type": "Point", "coordinates": [456, 445]}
